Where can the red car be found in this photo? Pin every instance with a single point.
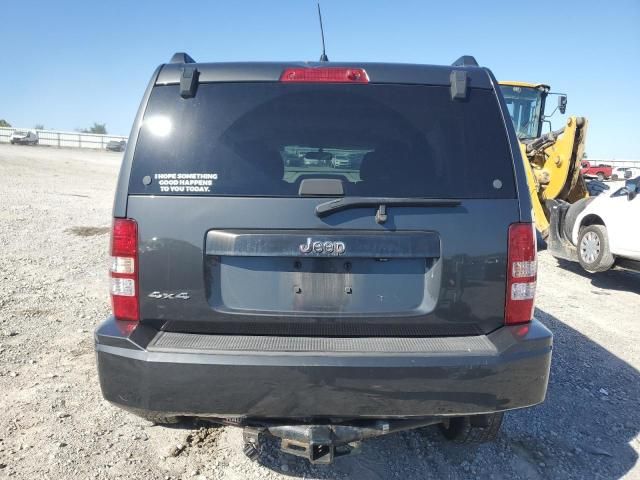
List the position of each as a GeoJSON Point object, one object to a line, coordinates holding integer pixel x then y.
{"type": "Point", "coordinates": [602, 172]}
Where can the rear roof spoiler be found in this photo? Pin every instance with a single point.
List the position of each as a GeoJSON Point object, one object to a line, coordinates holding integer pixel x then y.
{"type": "Point", "coordinates": [465, 61]}
{"type": "Point", "coordinates": [183, 70]}
{"type": "Point", "coordinates": [181, 57]}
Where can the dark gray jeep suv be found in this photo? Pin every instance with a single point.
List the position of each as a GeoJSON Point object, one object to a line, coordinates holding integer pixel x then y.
{"type": "Point", "coordinates": [254, 287]}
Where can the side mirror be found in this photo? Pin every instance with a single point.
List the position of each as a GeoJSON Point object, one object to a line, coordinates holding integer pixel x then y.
{"type": "Point", "coordinates": [632, 189]}
{"type": "Point", "coordinates": [562, 103]}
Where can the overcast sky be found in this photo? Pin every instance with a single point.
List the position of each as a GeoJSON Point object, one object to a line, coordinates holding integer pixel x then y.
{"type": "Point", "coordinates": [69, 63]}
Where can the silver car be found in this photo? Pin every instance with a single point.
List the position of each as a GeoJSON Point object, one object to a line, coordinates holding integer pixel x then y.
{"type": "Point", "coordinates": [24, 138]}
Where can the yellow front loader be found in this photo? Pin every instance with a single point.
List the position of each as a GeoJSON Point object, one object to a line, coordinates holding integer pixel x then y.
{"type": "Point", "coordinates": [552, 159]}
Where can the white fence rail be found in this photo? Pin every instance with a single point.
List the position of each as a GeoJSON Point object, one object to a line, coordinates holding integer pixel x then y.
{"type": "Point", "coordinates": [56, 138]}
{"type": "Point", "coordinates": [614, 163]}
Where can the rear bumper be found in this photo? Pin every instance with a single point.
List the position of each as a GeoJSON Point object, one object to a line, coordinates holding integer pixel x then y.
{"type": "Point", "coordinates": [292, 377]}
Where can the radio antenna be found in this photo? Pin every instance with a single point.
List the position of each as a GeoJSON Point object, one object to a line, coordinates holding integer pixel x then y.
{"type": "Point", "coordinates": [323, 57]}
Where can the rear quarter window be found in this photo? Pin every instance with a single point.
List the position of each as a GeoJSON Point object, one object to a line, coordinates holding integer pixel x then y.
{"type": "Point", "coordinates": [263, 139]}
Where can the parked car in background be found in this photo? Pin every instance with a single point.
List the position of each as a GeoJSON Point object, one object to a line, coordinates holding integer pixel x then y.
{"type": "Point", "coordinates": [618, 173]}
{"type": "Point", "coordinates": [600, 232]}
{"type": "Point", "coordinates": [596, 187]}
{"type": "Point", "coordinates": [341, 161]}
{"type": "Point", "coordinates": [24, 137]}
{"type": "Point", "coordinates": [116, 145]}
{"type": "Point", "coordinates": [631, 172]}
{"type": "Point", "coordinates": [317, 158]}
{"type": "Point", "coordinates": [601, 172]}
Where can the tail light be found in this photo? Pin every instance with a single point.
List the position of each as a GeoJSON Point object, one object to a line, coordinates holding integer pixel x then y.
{"type": "Point", "coordinates": [325, 75]}
{"type": "Point", "coordinates": [521, 275]}
{"type": "Point", "coordinates": [124, 269]}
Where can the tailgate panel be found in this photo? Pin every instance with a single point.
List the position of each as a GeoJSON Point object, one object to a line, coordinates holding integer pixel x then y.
{"type": "Point", "coordinates": [440, 271]}
{"type": "Point", "coordinates": [378, 273]}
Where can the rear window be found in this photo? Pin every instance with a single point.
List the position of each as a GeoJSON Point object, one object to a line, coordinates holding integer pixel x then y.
{"type": "Point", "coordinates": [263, 139]}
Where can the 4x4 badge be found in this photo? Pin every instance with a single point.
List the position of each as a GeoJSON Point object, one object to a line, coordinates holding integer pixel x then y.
{"type": "Point", "coordinates": [326, 248]}
{"type": "Point", "coordinates": [170, 296]}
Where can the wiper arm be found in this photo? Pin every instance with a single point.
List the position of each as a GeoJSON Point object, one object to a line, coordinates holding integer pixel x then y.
{"type": "Point", "coordinates": [327, 208]}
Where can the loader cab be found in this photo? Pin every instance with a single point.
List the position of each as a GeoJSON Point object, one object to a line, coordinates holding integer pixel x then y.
{"type": "Point", "coordinates": [526, 102]}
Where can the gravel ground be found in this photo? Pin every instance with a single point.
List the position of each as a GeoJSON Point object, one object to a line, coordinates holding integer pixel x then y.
{"type": "Point", "coordinates": [55, 210]}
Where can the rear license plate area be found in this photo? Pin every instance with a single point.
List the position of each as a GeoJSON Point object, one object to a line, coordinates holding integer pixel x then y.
{"type": "Point", "coordinates": [275, 273]}
{"type": "Point", "coordinates": [319, 285]}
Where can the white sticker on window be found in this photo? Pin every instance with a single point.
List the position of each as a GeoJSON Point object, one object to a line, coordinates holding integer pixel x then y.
{"type": "Point", "coordinates": [185, 182]}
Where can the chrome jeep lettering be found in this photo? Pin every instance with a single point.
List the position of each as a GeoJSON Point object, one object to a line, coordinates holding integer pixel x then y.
{"type": "Point", "coordinates": [328, 248]}
{"type": "Point", "coordinates": [306, 247]}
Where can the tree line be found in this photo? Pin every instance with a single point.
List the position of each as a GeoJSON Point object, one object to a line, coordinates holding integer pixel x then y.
{"type": "Point", "coordinates": [97, 128]}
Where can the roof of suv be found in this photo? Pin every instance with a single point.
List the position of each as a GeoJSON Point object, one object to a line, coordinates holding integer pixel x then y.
{"type": "Point", "coordinates": [478, 77]}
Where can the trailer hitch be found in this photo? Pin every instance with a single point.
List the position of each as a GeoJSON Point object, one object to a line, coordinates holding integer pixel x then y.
{"type": "Point", "coordinates": [252, 438]}
{"type": "Point", "coordinates": [320, 444]}
{"type": "Point", "coordinates": [316, 443]}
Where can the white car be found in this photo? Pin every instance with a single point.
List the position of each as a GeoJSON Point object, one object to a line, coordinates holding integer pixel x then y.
{"type": "Point", "coordinates": [631, 172]}
{"type": "Point", "coordinates": [608, 229]}
{"type": "Point", "coordinates": [24, 138]}
{"type": "Point", "coordinates": [618, 173]}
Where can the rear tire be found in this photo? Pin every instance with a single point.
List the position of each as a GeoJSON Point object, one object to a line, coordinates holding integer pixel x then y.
{"type": "Point", "coordinates": [600, 176]}
{"type": "Point", "coordinates": [472, 429]}
{"type": "Point", "coordinates": [593, 249]}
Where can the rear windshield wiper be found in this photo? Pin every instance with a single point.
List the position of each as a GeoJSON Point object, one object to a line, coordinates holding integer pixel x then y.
{"type": "Point", "coordinates": [327, 208]}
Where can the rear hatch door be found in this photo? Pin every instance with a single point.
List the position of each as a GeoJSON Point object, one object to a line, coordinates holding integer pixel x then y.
{"type": "Point", "coordinates": [240, 232]}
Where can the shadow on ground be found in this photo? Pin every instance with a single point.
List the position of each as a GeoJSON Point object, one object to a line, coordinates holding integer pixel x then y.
{"type": "Point", "coordinates": [583, 429]}
{"type": "Point", "coordinates": [616, 279]}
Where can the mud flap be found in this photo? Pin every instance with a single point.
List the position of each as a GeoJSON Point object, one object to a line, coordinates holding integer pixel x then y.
{"type": "Point", "coordinates": [557, 243]}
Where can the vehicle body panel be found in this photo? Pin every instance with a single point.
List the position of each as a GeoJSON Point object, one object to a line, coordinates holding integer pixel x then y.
{"type": "Point", "coordinates": [397, 73]}
{"type": "Point", "coordinates": [173, 234]}
{"type": "Point", "coordinates": [195, 375]}
{"type": "Point", "coordinates": [619, 215]}
{"type": "Point", "coordinates": [241, 314]}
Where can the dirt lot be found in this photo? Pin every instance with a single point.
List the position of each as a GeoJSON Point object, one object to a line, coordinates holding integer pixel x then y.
{"type": "Point", "coordinates": [55, 210]}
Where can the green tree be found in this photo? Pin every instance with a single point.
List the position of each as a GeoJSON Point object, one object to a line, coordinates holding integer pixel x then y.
{"type": "Point", "coordinates": [99, 128]}
{"type": "Point", "coordinates": [4, 123]}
